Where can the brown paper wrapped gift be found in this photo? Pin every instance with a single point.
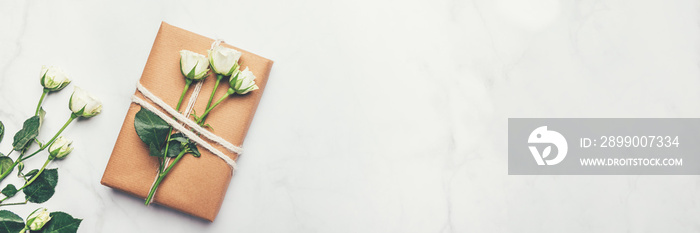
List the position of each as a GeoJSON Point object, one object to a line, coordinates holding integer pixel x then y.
{"type": "Point", "coordinates": [196, 186]}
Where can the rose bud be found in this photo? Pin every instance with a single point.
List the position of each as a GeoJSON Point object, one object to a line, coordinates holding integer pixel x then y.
{"type": "Point", "coordinates": [38, 219]}
{"type": "Point", "coordinates": [224, 60]}
{"type": "Point", "coordinates": [60, 148]}
{"type": "Point", "coordinates": [193, 65]}
{"type": "Point", "coordinates": [84, 104]}
{"type": "Point", "coordinates": [243, 82]}
{"type": "Point", "coordinates": [53, 78]}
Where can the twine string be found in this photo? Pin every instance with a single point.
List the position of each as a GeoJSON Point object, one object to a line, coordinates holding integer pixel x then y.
{"type": "Point", "coordinates": [183, 120]}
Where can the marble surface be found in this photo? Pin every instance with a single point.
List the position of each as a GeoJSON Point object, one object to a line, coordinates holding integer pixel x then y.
{"type": "Point", "coordinates": [380, 116]}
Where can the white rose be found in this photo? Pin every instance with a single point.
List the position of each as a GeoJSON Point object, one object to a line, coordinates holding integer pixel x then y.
{"type": "Point", "coordinates": [53, 78]}
{"type": "Point", "coordinates": [38, 219]}
{"type": "Point", "coordinates": [243, 82]}
{"type": "Point", "coordinates": [193, 65]}
{"type": "Point", "coordinates": [224, 60]}
{"type": "Point", "coordinates": [84, 104]}
{"type": "Point", "coordinates": [60, 148]}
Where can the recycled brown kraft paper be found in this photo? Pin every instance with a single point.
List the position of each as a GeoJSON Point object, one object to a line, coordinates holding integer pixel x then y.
{"type": "Point", "coordinates": [196, 186]}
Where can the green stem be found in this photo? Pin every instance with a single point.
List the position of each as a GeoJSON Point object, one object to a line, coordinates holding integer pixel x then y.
{"type": "Point", "coordinates": [16, 203]}
{"type": "Point", "coordinates": [216, 85]}
{"type": "Point", "coordinates": [165, 154]}
{"type": "Point", "coordinates": [211, 97]}
{"type": "Point", "coordinates": [21, 159]}
{"type": "Point", "coordinates": [188, 82]}
{"type": "Point", "coordinates": [72, 117]}
{"type": "Point", "coordinates": [179, 156]}
{"type": "Point", "coordinates": [161, 176]}
{"type": "Point", "coordinates": [41, 100]}
{"type": "Point", "coordinates": [35, 176]}
{"type": "Point", "coordinates": [13, 150]}
{"type": "Point", "coordinates": [228, 93]}
{"type": "Point", "coordinates": [4, 174]}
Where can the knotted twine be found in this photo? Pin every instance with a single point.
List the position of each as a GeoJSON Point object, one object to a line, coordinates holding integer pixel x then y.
{"type": "Point", "coordinates": [181, 121]}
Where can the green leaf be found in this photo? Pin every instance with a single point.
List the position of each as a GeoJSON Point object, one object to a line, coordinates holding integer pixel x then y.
{"type": "Point", "coordinates": [180, 137]}
{"type": "Point", "coordinates": [9, 190]}
{"type": "Point", "coordinates": [192, 74]}
{"type": "Point", "coordinates": [61, 223]}
{"type": "Point", "coordinates": [39, 142]}
{"type": "Point", "coordinates": [20, 167]}
{"type": "Point", "coordinates": [41, 115]}
{"type": "Point", "coordinates": [2, 130]}
{"type": "Point", "coordinates": [194, 150]}
{"type": "Point", "coordinates": [176, 145]}
{"type": "Point", "coordinates": [150, 128]}
{"type": "Point", "coordinates": [5, 164]}
{"type": "Point", "coordinates": [154, 151]}
{"type": "Point", "coordinates": [194, 115]}
{"type": "Point", "coordinates": [174, 149]}
{"type": "Point", "coordinates": [26, 135]}
{"type": "Point", "coordinates": [31, 173]}
{"type": "Point", "coordinates": [10, 222]}
{"type": "Point", "coordinates": [43, 188]}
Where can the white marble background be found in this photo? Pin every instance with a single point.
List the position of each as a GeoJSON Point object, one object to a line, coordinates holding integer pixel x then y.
{"type": "Point", "coordinates": [380, 116]}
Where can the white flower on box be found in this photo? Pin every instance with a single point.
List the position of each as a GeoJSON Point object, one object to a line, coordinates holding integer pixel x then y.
{"type": "Point", "coordinates": [224, 60]}
{"type": "Point", "coordinates": [243, 82]}
{"type": "Point", "coordinates": [53, 78]}
{"type": "Point", "coordinates": [193, 65]}
{"type": "Point", "coordinates": [84, 104]}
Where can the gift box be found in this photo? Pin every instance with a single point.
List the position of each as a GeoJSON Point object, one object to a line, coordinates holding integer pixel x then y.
{"type": "Point", "coordinates": [196, 185]}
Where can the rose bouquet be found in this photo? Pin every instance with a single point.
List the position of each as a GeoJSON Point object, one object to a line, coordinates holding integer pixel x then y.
{"type": "Point", "coordinates": [158, 135]}
{"type": "Point", "coordinates": [39, 184]}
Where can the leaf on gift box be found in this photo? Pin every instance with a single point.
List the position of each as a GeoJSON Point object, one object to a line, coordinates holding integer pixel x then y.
{"type": "Point", "coordinates": [5, 164]}
{"type": "Point", "coordinates": [2, 130]}
{"type": "Point", "coordinates": [43, 188]}
{"type": "Point", "coordinates": [176, 142]}
{"type": "Point", "coordinates": [9, 190]}
{"type": "Point", "coordinates": [10, 222]}
{"type": "Point", "coordinates": [180, 137]}
{"type": "Point", "coordinates": [174, 149]}
{"type": "Point", "coordinates": [27, 134]}
{"type": "Point", "coordinates": [194, 151]}
{"type": "Point", "coordinates": [193, 147]}
{"type": "Point", "coordinates": [154, 151]}
{"type": "Point", "coordinates": [61, 223]}
{"type": "Point", "coordinates": [150, 128]}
